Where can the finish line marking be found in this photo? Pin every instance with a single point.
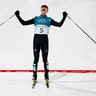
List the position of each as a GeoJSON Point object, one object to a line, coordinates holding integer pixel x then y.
{"type": "Point", "coordinates": [67, 71]}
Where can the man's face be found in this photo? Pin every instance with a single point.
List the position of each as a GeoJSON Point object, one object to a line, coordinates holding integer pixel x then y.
{"type": "Point", "coordinates": [44, 10]}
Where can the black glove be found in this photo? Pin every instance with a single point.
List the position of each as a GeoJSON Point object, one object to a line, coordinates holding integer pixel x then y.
{"type": "Point", "coordinates": [65, 13]}
{"type": "Point", "coordinates": [17, 13]}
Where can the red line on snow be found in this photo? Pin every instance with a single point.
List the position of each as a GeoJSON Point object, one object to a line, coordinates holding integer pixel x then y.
{"type": "Point", "coordinates": [67, 71]}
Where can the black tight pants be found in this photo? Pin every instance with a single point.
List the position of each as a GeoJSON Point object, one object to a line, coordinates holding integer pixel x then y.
{"type": "Point", "coordinates": [40, 42]}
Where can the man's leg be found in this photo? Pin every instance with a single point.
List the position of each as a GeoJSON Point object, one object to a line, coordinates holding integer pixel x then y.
{"type": "Point", "coordinates": [46, 64]}
{"type": "Point", "coordinates": [36, 50]}
{"type": "Point", "coordinates": [44, 49]}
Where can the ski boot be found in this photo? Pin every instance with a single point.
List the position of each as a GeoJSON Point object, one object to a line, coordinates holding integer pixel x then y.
{"type": "Point", "coordinates": [34, 80]}
{"type": "Point", "coordinates": [47, 80]}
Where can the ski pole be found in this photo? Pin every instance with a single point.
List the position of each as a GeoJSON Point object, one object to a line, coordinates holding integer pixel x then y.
{"type": "Point", "coordinates": [13, 15]}
{"type": "Point", "coordinates": [7, 20]}
{"type": "Point", "coordinates": [82, 30]}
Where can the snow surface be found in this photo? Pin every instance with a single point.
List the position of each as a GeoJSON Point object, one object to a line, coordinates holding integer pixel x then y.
{"type": "Point", "coordinates": [61, 84]}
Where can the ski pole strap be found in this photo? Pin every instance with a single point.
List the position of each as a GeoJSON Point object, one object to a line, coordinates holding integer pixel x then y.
{"type": "Point", "coordinates": [82, 30]}
{"type": "Point", "coordinates": [7, 20]}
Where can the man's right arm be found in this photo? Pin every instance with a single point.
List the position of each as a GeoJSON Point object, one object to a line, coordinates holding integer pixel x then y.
{"type": "Point", "coordinates": [28, 22]}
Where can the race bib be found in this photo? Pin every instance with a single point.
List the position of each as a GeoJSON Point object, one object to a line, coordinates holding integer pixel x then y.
{"type": "Point", "coordinates": [41, 29]}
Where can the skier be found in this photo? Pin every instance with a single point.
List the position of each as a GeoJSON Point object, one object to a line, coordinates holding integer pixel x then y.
{"type": "Point", "coordinates": [42, 24]}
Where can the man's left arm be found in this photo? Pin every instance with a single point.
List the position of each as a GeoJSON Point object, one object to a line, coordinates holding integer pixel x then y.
{"type": "Point", "coordinates": [59, 24]}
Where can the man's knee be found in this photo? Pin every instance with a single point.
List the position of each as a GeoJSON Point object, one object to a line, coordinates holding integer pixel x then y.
{"type": "Point", "coordinates": [45, 54]}
{"type": "Point", "coordinates": [36, 56]}
{"type": "Point", "coordinates": [35, 67]}
{"type": "Point", "coordinates": [46, 66]}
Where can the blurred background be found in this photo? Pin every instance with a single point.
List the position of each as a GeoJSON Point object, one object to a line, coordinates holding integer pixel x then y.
{"type": "Point", "coordinates": [69, 47]}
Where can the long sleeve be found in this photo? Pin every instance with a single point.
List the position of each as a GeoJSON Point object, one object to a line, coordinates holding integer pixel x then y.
{"type": "Point", "coordinates": [28, 22]}
{"type": "Point", "coordinates": [58, 24]}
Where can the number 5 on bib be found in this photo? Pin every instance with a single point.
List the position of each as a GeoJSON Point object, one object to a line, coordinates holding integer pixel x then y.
{"type": "Point", "coordinates": [41, 30]}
